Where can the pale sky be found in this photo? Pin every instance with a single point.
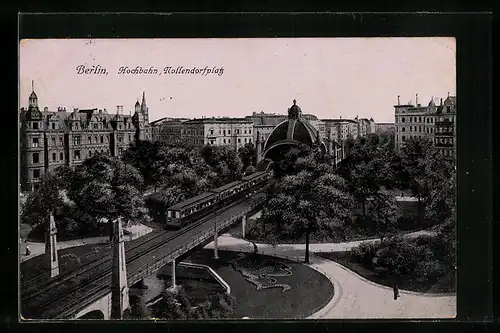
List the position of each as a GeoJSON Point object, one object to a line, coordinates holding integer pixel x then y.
{"type": "Point", "coordinates": [329, 77]}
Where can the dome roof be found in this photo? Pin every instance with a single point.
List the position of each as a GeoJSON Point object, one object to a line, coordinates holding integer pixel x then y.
{"type": "Point", "coordinates": [293, 131]}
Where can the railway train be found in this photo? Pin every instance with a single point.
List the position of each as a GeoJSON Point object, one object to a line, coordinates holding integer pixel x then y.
{"type": "Point", "coordinates": [187, 211]}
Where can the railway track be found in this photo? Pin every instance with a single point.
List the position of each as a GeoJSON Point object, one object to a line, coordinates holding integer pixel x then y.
{"type": "Point", "coordinates": [102, 286]}
{"type": "Point", "coordinates": [95, 276]}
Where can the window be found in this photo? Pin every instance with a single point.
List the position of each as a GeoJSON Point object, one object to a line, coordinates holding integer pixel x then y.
{"type": "Point", "coordinates": [419, 119]}
{"type": "Point", "coordinates": [61, 156]}
{"type": "Point", "coordinates": [229, 141]}
{"type": "Point", "coordinates": [250, 140]}
{"type": "Point", "coordinates": [60, 140]}
{"type": "Point", "coordinates": [54, 156]}
{"type": "Point", "coordinates": [36, 158]}
{"type": "Point", "coordinates": [402, 129]}
{"type": "Point", "coordinates": [53, 141]}
{"type": "Point", "coordinates": [76, 140]}
{"type": "Point", "coordinates": [90, 153]}
{"type": "Point", "coordinates": [102, 139]}
{"type": "Point", "coordinates": [229, 132]}
{"type": "Point", "coordinates": [245, 140]}
{"type": "Point", "coordinates": [120, 151]}
{"type": "Point", "coordinates": [403, 138]}
{"type": "Point", "coordinates": [95, 139]}
{"type": "Point", "coordinates": [35, 142]}
{"type": "Point", "coordinates": [224, 141]}
{"type": "Point", "coordinates": [129, 138]}
{"type": "Point", "coordinates": [249, 131]}
{"type": "Point", "coordinates": [239, 140]}
{"type": "Point", "coordinates": [53, 126]}
{"type": "Point", "coordinates": [36, 173]}
{"type": "Point", "coordinates": [77, 154]}
{"type": "Point", "coordinates": [95, 126]}
{"type": "Point", "coordinates": [89, 139]}
{"type": "Point", "coordinates": [35, 125]}
{"type": "Point", "coordinates": [224, 132]}
{"type": "Point", "coordinates": [238, 131]}
{"type": "Point", "coordinates": [403, 119]}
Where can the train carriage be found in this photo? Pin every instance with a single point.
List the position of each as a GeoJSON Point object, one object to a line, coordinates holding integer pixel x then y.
{"type": "Point", "coordinates": [192, 209]}
{"type": "Point", "coordinates": [184, 212]}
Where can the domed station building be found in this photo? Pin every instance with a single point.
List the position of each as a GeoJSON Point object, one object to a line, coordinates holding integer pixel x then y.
{"type": "Point", "coordinates": [294, 131]}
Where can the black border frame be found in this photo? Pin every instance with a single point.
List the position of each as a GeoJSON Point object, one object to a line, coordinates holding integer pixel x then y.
{"type": "Point", "coordinates": [474, 131]}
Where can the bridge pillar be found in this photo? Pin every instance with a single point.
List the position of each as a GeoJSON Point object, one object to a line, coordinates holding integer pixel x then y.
{"type": "Point", "coordinates": [243, 225]}
{"type": "Point", "coordinates": [174, 284]}
{"type": "Point", "coordinates": [119, 286]}
{"type": "Point", "coordinates": [54, 260]}
{"type": "Point", "coordinates": [216, 246]}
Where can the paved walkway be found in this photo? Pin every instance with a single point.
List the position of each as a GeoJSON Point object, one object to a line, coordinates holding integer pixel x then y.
{"type": "Point", "coordinates": [355, 296]}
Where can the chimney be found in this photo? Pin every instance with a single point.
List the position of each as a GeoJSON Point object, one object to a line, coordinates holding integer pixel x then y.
{"type": "Point", "coordinates": [45, 109]}
{"type": "Point", "coordinates": [398, 100]}
{"type": "Point", "coordinates": [117, 109]}
{"type": "Point", "coordinates": [416, 99]}
{"type": "Point", "coordinates": [441, 102]}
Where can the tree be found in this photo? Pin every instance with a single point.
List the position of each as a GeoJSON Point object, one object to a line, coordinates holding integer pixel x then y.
{"type": "Point", "coordinates": [287, 158]}
{"type": "Point", "coordinates": [440, 201]}
{"type": "Point", "coordinates": [384, 212]}
{"type": "Point", "coordinates": [224, 161]}
{"type": "Point", "coordinates": [40, 203]}
{"type": "Point", "coordinates": [247, 154]}
{"type": "Point", "coordinates": [305, 203]}
{"type": "Point", "coordinates": [416, 154]}
{"type": "Point", "coordinates": [144, 156]}
{"type": "Point", "coordinates": [106, 188]}
{"type": "Point", "coordinates": [177, 305]}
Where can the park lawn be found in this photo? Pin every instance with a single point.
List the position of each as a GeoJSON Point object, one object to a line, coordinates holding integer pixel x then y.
{"type": "Point", "coordinates": [310, 290]}
{"type": "Point", "coordinates": [39, 266]}
{"type": "Point", "coordinates": [406, 282]}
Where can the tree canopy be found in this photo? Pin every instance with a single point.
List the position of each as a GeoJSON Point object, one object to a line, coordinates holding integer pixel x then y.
{"type": "Point", "coordinates": [312, 200]}
{"type": "Point", "coordinates": [107, 188]}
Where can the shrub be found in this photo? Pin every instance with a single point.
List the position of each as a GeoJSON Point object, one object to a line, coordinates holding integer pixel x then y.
{"type": "Point", "coordinates": [398, 256]}
{"type": "Point", "coordinates": [430, 269]}
{"type": "Point", "coordinates": [365, 252]}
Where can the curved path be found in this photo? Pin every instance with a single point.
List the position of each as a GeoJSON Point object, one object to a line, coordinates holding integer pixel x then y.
{"type": "Point", "coordinates": [355, 296]}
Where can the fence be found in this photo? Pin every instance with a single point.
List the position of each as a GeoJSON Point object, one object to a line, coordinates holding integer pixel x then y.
{"type": "Point", "coordinates": [211, 271]}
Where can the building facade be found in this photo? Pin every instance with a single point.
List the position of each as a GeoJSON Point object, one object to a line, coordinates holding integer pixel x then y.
{"type": "Point", "coordinates": [425, 122]}
{"type": "Point", "coordinates": [444, 134]}
{"type": "Point", "coordinates": [264, 123]}
{"type": "Point", "coordinates": [233, 132]}
{"type": "Point", "coordinates": [49, 139]}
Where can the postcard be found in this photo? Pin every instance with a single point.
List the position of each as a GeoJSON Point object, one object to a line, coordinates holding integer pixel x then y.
{"type": "Point", "coordinates": [245, 178]}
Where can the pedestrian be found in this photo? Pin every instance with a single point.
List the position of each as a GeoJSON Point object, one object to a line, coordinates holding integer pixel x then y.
{"type": "Point", "coordinates": [28, 252]}
{"type": "Point", "coordinates": [396, 291]}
